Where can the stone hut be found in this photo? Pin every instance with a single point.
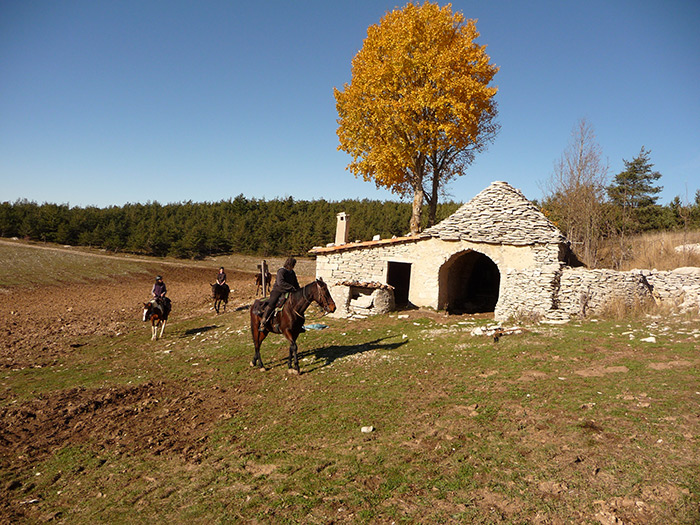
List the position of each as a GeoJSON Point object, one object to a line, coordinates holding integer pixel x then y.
{"type": "Point", "coordinates": [497, 253]}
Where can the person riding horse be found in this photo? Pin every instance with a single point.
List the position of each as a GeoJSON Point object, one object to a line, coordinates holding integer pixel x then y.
{"type": "Point", "coordinates": [158, 292]}
{"type": "Point", "coordinates": [285, 281]}
{"type": "Point", "coordinates": [221, 277]}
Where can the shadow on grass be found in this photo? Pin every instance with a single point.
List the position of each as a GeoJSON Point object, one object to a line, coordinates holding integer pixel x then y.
{"type": "Point", "coordinates": [326, 356]}
{"type": "Point", "coordinates": [200, 330]}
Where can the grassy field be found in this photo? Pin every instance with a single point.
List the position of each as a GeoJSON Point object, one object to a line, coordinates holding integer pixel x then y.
{"type": "Point", "coordinates": [576, 423]}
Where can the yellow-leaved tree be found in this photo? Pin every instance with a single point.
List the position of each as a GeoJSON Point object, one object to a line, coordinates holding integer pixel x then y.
{"type": "Point", "coordinates": [419, 105]}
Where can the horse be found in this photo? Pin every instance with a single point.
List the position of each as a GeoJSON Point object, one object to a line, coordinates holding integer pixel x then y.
{"type": "Point", "coordinates": [157, 313]}
{"type": "Point", "coordinates": [259, 283]}
{"type": "Point", "coordinates": [289, 322]}
{"type": "Point", "coordinates": [219, 292]}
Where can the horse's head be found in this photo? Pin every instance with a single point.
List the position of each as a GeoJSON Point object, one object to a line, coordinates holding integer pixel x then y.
{"type": "Point", "coordinates": [147, 309]}
{"type": "Point", "coordinates": [213, 290]}
{"type": "Point", "coordinates": [323, 297]}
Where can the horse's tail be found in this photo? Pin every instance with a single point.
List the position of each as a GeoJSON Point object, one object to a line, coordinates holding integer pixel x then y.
{"type": "Point", "coordinates": [256, 308]}
{"type": "Point", "coordinates": [167, 307]}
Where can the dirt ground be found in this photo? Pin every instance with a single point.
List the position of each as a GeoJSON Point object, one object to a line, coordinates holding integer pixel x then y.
{"type": "Point", "coordinates": [39, 326]}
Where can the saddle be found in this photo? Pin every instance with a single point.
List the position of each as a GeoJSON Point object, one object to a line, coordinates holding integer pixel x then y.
{"type": "Point", "coordinates": [278, 307]}
{"type": "Point", "coordinates": [163, 304]}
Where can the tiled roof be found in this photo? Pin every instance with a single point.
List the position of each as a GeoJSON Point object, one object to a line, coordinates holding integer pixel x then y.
{"type": "Point", "coordinates": [500, 214]}
{"type": "Point", "coordinates": [365, 244]}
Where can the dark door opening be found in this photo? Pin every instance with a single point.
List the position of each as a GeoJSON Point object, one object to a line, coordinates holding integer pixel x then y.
{"type": "Point", "coordinates": [399, 276]}
{"type": "Point", "coordinates": [471, 282]}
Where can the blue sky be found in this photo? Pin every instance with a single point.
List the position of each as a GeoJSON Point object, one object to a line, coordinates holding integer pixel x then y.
{"type": "Point", "coordinates": [104, 103]}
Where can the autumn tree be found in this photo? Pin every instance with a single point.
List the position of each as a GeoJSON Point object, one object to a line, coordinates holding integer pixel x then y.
{"type": "Point", "coordinates": [575, 196]}
{"type": "Point", "coordinates": [419, 105]}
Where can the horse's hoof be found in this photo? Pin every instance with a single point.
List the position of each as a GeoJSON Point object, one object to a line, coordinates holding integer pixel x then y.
{"type": "Point", "coordinates": [262, 369]}
{"type": "Point", "coordinates": [293, 371]}
{"type": "Point", "coordinates": [252, 364]}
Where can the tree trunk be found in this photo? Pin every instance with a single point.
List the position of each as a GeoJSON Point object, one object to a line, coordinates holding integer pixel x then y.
{"type": "Point", "coordinates": [417, 209]}
{"type": "Point", "coordinates": [433, 201]}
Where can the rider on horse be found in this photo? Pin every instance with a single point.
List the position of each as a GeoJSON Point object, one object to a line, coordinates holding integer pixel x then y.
{"type": "Point", "coordinates": [286, 281]}
{"type": "Point", "coordinates": [221, 277]}
{"type": "Point", "coordinates": [158, 291]}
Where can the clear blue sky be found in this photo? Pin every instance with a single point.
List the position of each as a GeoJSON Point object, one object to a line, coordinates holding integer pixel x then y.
{"type": "Point", "coordinates": [108, 102]}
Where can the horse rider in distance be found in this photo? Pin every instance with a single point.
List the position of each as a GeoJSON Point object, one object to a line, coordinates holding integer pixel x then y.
{"type": "Point", "coordinates": [158, 292]}
{"type": "Point", "coordinates": [221, 277]}
{"type": "Point", "coordinates": [285, 281]}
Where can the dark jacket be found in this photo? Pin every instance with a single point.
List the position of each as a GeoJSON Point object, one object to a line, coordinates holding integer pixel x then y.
{"type": "Point", "coordinates": [159, 289]}
{"type": "Point", "coordinates": [286, 281]}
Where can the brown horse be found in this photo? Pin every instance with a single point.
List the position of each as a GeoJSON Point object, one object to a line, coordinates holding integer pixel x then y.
{"type": "Point", "coordinates": [219, 292]}
{"type": "Point", "coordinates": [259, 283]}
{"type": "Point", "coordinates": [290, 320]}
{"type": "Point", "coordinates": [157, 313]}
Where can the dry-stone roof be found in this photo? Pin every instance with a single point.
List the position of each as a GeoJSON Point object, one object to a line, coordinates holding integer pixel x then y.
{"type": "Point", "coordinates": [500, 214]}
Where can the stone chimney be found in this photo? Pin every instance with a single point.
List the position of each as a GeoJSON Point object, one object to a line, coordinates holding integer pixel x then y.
{"type": "Point", "coordinates": [341, 228]}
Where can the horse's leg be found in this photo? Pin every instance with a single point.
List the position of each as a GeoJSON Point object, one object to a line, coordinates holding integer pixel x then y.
{"type": "Point", "coordinates": [293, 362]}
{"type": "Point", "coordinates": [154, 331]}
{"type": "Point", "coordinates": [258, 337]}
{"type": "Point", "coordinates": [257, 359]}
{"type": "Point", "coordinates": [162, 327]}
{"type": "Point", "coordinates": [293, 355]}
{"type": "Point", "coordinates": [216, 305]}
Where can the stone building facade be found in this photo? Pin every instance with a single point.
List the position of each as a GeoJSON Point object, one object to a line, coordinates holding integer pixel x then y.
{"type": "Point", "coordinates": [497, 253]}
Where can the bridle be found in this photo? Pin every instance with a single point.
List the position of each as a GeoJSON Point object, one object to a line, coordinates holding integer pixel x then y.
{"type": "Point", "coordinates": [323, 303]}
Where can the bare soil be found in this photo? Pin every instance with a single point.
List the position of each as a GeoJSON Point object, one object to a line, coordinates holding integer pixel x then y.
{"type": "Point", "coordinates": [40, 325]}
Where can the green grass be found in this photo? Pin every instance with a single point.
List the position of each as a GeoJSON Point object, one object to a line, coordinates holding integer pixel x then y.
{"type": "Point", "coordinates": [544, 425]}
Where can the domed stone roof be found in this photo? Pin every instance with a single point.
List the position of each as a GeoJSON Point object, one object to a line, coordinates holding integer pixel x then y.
{"type": "Point", "coordinates": [500, 214]}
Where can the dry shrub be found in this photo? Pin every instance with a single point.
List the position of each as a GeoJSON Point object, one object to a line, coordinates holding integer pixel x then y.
{"type": "Point", "coordinates": [526, 316]}
{"type": "Point", "coordinates": [619, 308]}
{"type": "Point", "coordinates": [657, 250]}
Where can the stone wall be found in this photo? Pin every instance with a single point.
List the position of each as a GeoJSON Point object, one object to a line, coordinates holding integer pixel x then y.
{"type": "Point", "coordinates": [528, 293]}
{"type": "Point", "coordinates": [583, 292]}
{"type": "Point", "coordinates": [679, 288]}
{"type": "Point", "coordinates": [356, 301]}
{"type": "Point", "coordinates": [565, 292]}
{"type": "Point", "coordinates": [534, 283]}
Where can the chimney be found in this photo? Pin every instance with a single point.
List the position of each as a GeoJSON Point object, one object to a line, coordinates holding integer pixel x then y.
{"type": "Point", "coordinates": [341, 228]}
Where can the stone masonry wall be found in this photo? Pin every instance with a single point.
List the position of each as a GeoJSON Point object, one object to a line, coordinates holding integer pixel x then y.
{"type": "Point", "coordinates": [533, 282]}
{"type": "Point", "coordinates": [679, 288]}
{"type": "Point", "coordinates": [527, 293]}
{"type": "Point", "coordinates": [583, 292]}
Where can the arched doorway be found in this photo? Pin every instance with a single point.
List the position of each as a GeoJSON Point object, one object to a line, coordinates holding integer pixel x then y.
{"type": "Point", "coordinates": [469, 283]}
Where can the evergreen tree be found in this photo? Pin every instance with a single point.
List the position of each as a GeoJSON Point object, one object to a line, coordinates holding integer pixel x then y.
{"type": "Point", "coordinates": [634, 194]}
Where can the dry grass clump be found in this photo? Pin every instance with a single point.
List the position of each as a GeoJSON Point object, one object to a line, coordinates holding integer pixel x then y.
{"type": "Point", "coordinates": [657, 250]}
{"type": "Point", "coordinates": [619, 308]}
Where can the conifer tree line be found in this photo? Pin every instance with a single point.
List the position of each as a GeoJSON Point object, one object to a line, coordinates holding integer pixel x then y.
{"type": "Point", "coordinates": [196, 230]}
